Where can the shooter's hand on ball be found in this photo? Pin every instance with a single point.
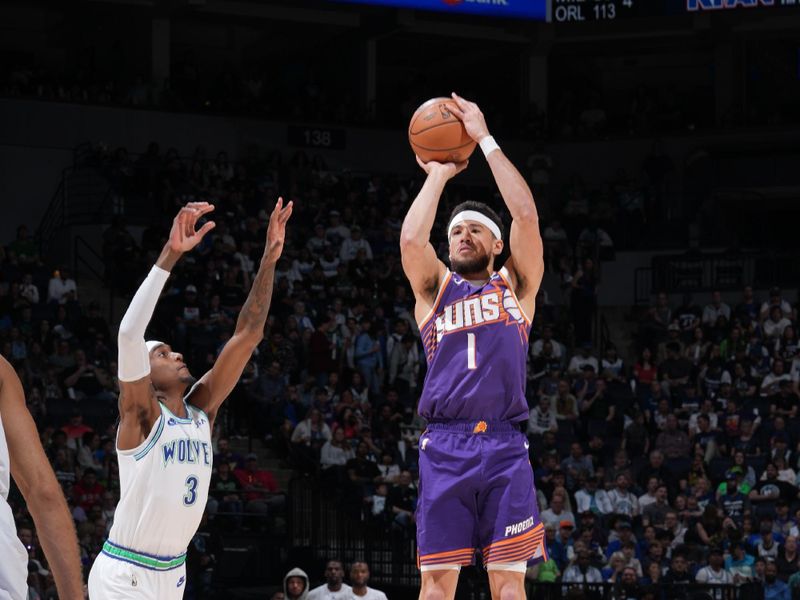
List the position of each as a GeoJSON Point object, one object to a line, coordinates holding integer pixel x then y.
{"type": "Point", "coordinates": [472, 117]}
{"type": "Point", "coordinates": [448, 170]}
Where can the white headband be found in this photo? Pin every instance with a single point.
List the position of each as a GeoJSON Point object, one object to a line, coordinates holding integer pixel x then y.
{"type": "Point", "coordinates": [153, 344]}
{"type": "Point", "coordinates": [474, 215]}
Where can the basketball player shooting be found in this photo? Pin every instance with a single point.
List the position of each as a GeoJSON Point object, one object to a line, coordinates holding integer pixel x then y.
{"type": "Point", "coordinates": [164, 435]}
{"type": "Point", "coordinates": [476, 481]}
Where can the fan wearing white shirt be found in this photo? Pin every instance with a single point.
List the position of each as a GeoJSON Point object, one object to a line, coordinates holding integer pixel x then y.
{"type": "Point", "coordinates": [334, 588]}
{"type": "Point", "coordinates": [60, 286]}
{"type": "Point", "coordinates": [351, 246]}
{"type": "Point", "coordinates": [714, 573]}
{"type": "Point", "coordinates": [715, 310]}
{"type": "Point", "coordinates": [359, 576]}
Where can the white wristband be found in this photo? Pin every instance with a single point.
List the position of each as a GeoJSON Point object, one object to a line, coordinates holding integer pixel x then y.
{"type": "Point", "coordinates": [488, 145]}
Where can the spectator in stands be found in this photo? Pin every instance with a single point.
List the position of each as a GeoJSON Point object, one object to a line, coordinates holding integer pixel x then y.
{"type": "Point", "coordinates": [715, 309]}
{"type": "Point", "coordinates": [225, 454]}
{"type": "Point", "coordinates": [296, 585]}
{"type": "Point", "coordinates": [259, 488]}
{"type": "Point", "coordinates": [542, 418]}
{"type": "Point", "coordinates": [547, 336]}
{"type": "Point", "coordinates": [715, 573]}
{"type": "Point", "coordinates": [225, 492]}
{"type": "Point", "coordinates": [775, 300]}
{"type": "Point", "coordinates": [62, 288]}
{"type": "Point", "coordinates": [359, 577]}
{"type": "Point", "coordinates": [655, 512]}
{"type": "Point", "coordinates": [368, 357]}
{"type": "Point", "coordinates": [775, 325]}
{"type": "Point", "coordinates": [770, 385]}
{"type": "Point", "coordinates": [309, 436]}
{"type": "Point", "coordinates": [577, 465]}
{"type": "Point", "coordinates": [774, 588]}
{"type": "Point", "coordinates": [334, 455]}
{"type": "Point", "coordinates": [673, 442]}
{"type": "Point", "coordinates": [558, 512]}
{"type": "Point", "coordinates": [88, 492]}
{"type": "Point", "coordinates": [788, 561]}
{"type": "Point", "coordinates": [334, 588]}
{"type": "Point", "coordinates": [581, 571]}
{"type": "Point", "coordinates": [590, 498]}
{"type": "Point", "coordinates": [623, 502]}
{"type": "Point", "coordinates": [402, 500]}
{"type": "Point", "coordinates": [582, 359]}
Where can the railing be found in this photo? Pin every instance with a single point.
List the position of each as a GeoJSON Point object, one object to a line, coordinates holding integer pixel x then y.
{"type": "Point", "coordinates": [317, 524]}
{"type": "Point", "coordinates": [698, 272]}
{"type": "Point", "coordinates": [660, 591]}
{"type": "Point", "coordinates": [80, 249]}
{"type": "Point", "coordinates": [605, 335]}
{"type": "Point", "coordinates": [54, 216]}
{"type": "Point", "coordinates": [642, 285]}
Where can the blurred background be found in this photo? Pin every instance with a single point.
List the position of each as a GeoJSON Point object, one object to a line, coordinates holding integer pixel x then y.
{"type": "Point", "coordinates": [660, 139]}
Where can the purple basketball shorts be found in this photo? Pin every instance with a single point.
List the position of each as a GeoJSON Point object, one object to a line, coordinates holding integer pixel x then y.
{"type": "Point", "coordinates": [476, 493]}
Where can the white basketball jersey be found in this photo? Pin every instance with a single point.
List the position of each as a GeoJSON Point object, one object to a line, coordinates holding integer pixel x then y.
{"type": "Point", "coordinates": [14, 561]}
{"type": "Point", "coordinates": [164, 485]}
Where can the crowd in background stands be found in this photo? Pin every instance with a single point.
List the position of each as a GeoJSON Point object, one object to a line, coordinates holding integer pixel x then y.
{"type": "Point", "coordinates": [591, 109]}
{"type": "Point", "coordinates": [678, 466]}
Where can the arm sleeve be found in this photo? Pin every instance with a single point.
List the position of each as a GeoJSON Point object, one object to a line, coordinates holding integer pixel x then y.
{"type": "Point", "coordinates": [134, 359]}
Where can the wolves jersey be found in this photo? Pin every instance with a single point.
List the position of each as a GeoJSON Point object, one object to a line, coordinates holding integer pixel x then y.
{"type": "Point", "coordinates": [14, 563]}
{"type": "Point", "coordinates": [164, 487]}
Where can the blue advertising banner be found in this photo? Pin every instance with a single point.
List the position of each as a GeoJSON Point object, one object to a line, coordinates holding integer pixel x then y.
{"type": "Point", "coordinates": [525, 9]}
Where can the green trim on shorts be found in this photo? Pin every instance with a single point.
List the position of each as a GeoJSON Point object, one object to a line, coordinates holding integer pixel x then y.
{"type": "Point", "coordinates": [148, 561]}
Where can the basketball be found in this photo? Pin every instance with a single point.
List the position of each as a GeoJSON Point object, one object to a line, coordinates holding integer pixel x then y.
{"type": "Point", "coordinates": [435, 133]}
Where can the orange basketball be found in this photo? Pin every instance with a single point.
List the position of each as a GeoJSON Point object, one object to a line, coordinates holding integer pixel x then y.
{"type": "Point", "coordinates": [435, 133]}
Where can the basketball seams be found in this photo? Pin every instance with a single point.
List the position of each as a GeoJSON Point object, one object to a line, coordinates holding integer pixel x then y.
{"type": "Point", "coordinates": [453, 121]}
{"type": "Point", "coordinates": [421, 147]}
{"type": "Point", "coordinates": [430, 141]}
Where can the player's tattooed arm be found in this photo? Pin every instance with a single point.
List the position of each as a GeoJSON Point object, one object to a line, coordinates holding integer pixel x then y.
{"type": "Point", "coordinates": [253, 315]}
{"type": "Point", "coordinates": [216, 384]}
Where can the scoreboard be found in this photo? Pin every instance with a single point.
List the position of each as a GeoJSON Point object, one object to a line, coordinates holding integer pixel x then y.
{"type": "Point", "coordinates": [576, 11]}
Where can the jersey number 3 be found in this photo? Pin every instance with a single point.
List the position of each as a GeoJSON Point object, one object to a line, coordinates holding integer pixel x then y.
{"type": "Point", "coordinates": [471, 364]}
{"type": "Point", "coordinates": [191, 491]}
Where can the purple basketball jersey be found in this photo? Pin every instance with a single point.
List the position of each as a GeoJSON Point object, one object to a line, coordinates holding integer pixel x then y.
{"type": "Point", "coordinates": [476, 344]}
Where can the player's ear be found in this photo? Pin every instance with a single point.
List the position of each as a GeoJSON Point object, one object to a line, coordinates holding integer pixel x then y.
{"type": "Point", "coordinates": [497, 248]}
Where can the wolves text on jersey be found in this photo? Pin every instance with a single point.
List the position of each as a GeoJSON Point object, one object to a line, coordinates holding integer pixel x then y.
{"type": "Point", "coordinates": [186, 451]}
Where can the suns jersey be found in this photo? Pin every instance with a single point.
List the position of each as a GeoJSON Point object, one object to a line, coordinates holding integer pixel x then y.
{"type": "Point", "coordinates": [476, 345]}
{"type": "Point", "coordinates": [164, 485]}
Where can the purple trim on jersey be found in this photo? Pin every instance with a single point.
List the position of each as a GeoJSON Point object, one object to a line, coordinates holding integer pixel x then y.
{"type": "Point", "coordinates": [476, 344]}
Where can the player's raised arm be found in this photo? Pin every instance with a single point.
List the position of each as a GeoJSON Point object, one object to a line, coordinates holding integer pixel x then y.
{"type": "Point", "coordinates": [37, 482]}
{"type": "Point", "coordinates": [138, 408]}
{"type": "Point", "coordinates": [526, 265]}
{"type": "Point", "coordinates": [420, 263]}
{"type": "Point", "coordinates": [216, 384]}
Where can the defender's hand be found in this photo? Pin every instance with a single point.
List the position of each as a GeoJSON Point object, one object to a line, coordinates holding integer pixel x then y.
{"type": "Point", "coordinates": [182, 236]}
{"type": "Point", "coordinates": [276, 232]}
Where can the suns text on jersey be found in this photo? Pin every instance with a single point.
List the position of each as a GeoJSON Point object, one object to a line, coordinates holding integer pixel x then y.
{"type": "Point", "coordinates": [469, 312]}
{"type": "Point", "coordinates": [186, 451]}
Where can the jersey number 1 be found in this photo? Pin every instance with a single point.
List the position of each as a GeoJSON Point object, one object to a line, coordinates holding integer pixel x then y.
{"type": "Point", "coordinates": [471, 351]}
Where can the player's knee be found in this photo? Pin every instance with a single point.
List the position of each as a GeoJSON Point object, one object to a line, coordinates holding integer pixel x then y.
{"type": "Point", "coordinates": [512, 591]}
{"type": "Point", "coordinates": [433, 592]}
